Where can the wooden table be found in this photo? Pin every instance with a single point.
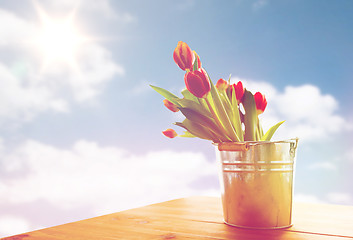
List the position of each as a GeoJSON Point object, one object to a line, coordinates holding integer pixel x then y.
{"type": "Point", "coordinates": [199, 218]}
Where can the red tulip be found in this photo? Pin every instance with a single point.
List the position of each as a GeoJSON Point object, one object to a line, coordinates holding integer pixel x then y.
{"type": "Point", "coordinates": [261, 102]}
{"type": "Point", "coordinates": [197, 57]}
{"type": "Point", "coordinates": [170, 133]}
{"type": "Point", "coordinates": [222, 84]}
{"type": "Point", "coordinates": [171, 106]}
{"type": "Point", "coordinates": [197, 83]}
{"type": "Point", "coordinates": [183, 56]}
{"type": "Point", "coordinates": [239, 90]}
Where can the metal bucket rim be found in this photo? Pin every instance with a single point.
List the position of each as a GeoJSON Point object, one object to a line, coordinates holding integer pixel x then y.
{"type": "Point", "coordinates": [259, 142]}
{"type": "Point", "coordinates": [245, 145]}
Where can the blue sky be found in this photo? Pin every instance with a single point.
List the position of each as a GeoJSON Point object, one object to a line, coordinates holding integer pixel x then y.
{"type": "Point", "coordinates": [84, 139]}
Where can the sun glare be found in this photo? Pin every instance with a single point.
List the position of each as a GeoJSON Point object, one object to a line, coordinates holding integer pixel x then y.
{"type": "Point", "coordinates": [58, 40]}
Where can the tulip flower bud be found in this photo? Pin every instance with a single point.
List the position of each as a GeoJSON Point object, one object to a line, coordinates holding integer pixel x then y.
{"type": "Point", "coordinates": [197, 58]}
{"type": "Point", "coordinates": [197, 83]}
{"type": "Point", "coordinates": [183, 56]}
{"type": "Point", "coordinates": [170, 133]}
{"type": "Point", "coordinates": [221, 84]}
{"type": "Point", "coordinates": [171, 106]}
{"type": "Point", "coordinates": [238, 89]}
{"type": "Point", "coordinates": [261, 102]}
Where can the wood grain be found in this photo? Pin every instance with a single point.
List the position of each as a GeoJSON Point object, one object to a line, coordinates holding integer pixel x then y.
{"type": "Point", "coordinates": [199, 218]}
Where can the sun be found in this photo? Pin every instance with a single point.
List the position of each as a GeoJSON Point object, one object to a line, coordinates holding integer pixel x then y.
{"type": "Point", "coordinates": [58, 40]}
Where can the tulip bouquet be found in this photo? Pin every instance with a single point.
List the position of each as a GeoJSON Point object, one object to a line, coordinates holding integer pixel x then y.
{"type": "Point", "coordinates": [256, 175]}
{"type": "Point", "coordinates": [222, 112]}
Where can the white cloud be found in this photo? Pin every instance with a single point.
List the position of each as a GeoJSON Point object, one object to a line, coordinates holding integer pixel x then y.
{"type": "Point", "coordinates": [21, 103]}
{"type": "Point", "coordinates": [348, 156]}
{"type": "Point", "coordinates": [340, 198]}
{"type": "Point", "coordinates": [89, 7]}
{"type": "Point", "coordinates": [307, 198]}
{"type": "Point", "coordinates": [100, 179]}
{"type": "Point", "coordinates": [323, 165]}
{"type": "Point", "coordinates": [11, 225]}
{"type": "Point", "coordinates": [312, 113]}
{"type": "Point", "coordinates": [257, 86]}
{"type": "Point", "coordinates": [26, 89]}
{"type": "Point", "coordinates": [309, 114]}
{"type": "Point", "coordinates": [97, 69]}
{"type": "Point", "coordinates": [14, 29]}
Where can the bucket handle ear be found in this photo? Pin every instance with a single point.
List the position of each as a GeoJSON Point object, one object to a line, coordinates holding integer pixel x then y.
{"type": "Point", "coordinates": [233, 146]}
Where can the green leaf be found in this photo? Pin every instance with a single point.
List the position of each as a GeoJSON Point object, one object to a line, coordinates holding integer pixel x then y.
{"type": "Point", "coordinates": [250, 117]}
{"type": "Point", "coordinates": [187, 135]}
{"type": "Point", "coordinates": [259, 129]}
{"type": "Point", "coordinates": [196, 106]}
{"type": "Point", "coordinates": [268, 135]}
{"type": "Point", "coordinates": [204, 121]}
{"type": "Point", "coordinates": [226, 103]}
{"type": "Point", "coordinates": [188, 95]}
{"type": "Point", "coordinates": [195, 129]}
{"type": "Point", "coordinates": [196, 64]}
{"type": "Point", "coordinates": [236, 118]}
{"type": "Point", "coordinates": [222, 114]}
{"type": "Point", "coordinates": [168, 95]}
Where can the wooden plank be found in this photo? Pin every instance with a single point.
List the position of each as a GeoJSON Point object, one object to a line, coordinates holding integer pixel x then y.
{"type": "Point", "coordinates": [197, 218]}
{"type": "Point", "coordinates": [126, 226]}
{"type": "Point", "coordinates": [215, 230]}
{"type": "Point", "coordinates": [315, 218]}
{"type": "Point", "coordinates": [323, 218]}
{"type": "Point", "coordinates": [307, 217]}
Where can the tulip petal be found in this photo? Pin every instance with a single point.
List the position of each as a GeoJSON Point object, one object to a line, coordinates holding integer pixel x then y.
{"type": "Point", "coordinates": [197, 82]}
{"type": "Point", "coordinates": [239, 90]}
{"type": "Point", "coordinates": [183, 56]}
{"type": "Point", "coordinates": [221, 85]}
{"type": "Point", "coordinates": [170, 133]}
{"type": "Point", "coordinates": [171, 106]}
{"type": "Point", "coordinates": [261, 102]}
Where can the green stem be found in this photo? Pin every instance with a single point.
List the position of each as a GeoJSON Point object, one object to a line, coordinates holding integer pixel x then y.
{"type": "Point", "coordinates": [223, 113]}
{"type": "Point", "coordinates": [215, 117]}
